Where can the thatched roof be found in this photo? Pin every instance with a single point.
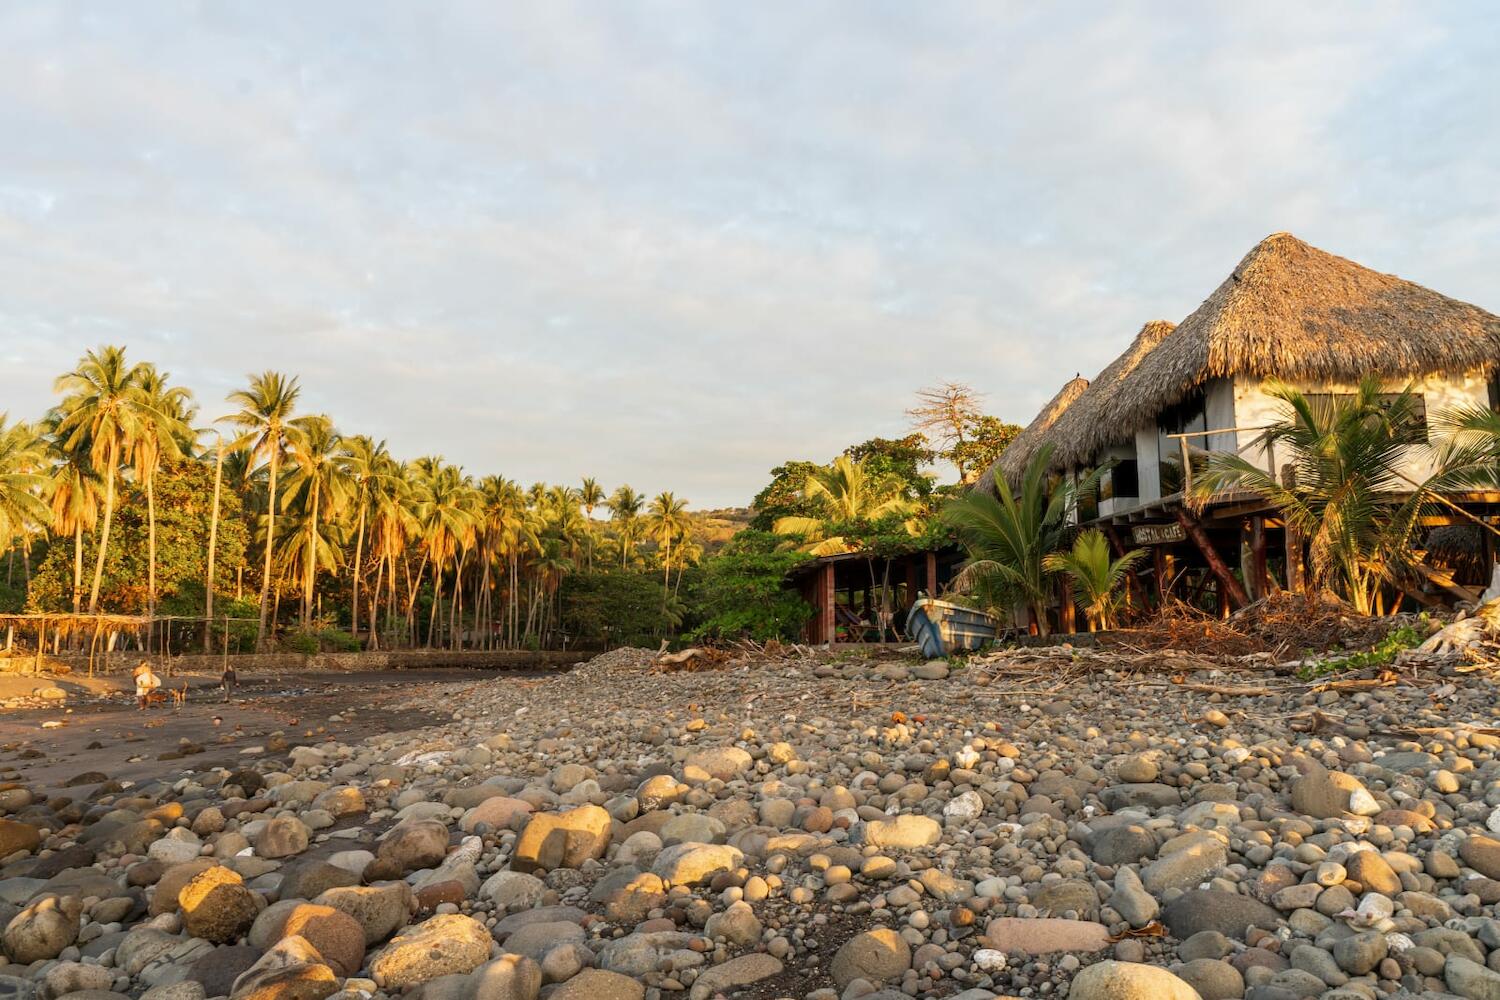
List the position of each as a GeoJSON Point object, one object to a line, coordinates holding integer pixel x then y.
{"type": "Point", "coordinates": [1090, 425]}
{"type": "Point", "coordinates": [1296, 312]}
{"type": "Point", "coordinates": [1013, 461]}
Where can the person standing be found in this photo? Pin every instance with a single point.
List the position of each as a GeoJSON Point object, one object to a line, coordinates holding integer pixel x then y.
{"type": "Point", "coordinates": [146, 683]}
{"type": "Point", "coordinates": [229, 681]}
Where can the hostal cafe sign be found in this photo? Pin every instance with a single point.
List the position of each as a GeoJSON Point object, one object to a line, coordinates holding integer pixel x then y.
{"type": "Point", "coordinates": [1157, 534]}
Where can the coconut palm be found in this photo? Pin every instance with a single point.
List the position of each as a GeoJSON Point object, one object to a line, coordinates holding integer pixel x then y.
{"type": "Point", "coordinates": [1348, 496]}
{"type": "Point", "coordinates": [667, 519]}
{"type": "Point", "coordinates": [165, 413]}
{"type": "Point", "coordinates": [1009, 537]}
{"type": "Point", "coordinates": [625, 506]}
{"type": "Point", "coordinates": [102, 410]}
{"type": "Point", "coordinates": [73, 496]}
{"type": "Point", "coordinates": [321, 483]}
{"type": "Point", "coordinates": [264, 418]}
{"type": "Point", "coordinates": [844, 494]}
{"type": "Point", "coordinates": [22, 481]}
{"type": "Point", "coordinates": [365, 462]}
{"type": "Point", "coordinates": [1096, 577]}
{"type": "Point", "coordinates": [591, 495]}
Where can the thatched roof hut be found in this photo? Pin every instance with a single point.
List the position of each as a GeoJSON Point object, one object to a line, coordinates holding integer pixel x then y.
{"type": "Point", "coordinates": [1090, 424]}
{"type": "Point", "coordinates": [1299, 313]}
{"type": "Point", "coordinates": [1013, 461]}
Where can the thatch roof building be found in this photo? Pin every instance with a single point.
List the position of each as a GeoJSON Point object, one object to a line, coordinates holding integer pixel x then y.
{"type": "Point", "coordinates": [1299, 313]}
{"type": "Point", "coordinates": [1090, 424]}
{"type": "Point", "coordinates": [1018, 453]}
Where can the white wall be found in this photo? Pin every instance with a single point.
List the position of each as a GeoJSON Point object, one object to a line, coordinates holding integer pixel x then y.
{"type": "Point", "coordinates": [1254, 408]}
{"type": "Point", "coordinates": [1146, 459]}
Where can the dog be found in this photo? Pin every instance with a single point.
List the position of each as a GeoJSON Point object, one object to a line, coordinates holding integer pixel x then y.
{"type": "Point", "coordinates": [179, 697]}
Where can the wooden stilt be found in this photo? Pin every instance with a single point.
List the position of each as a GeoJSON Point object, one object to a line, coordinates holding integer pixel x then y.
{"type": "Point", "coordinates": [1260, 580]}
{"type": "Point", "coordinates": [1159, 563]}
{"type": "Point", "coordinates": [1231, 584]}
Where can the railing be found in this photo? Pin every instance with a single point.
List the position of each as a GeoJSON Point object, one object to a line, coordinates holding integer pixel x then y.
{"type": "Point", "coordinates": [1187, 463]}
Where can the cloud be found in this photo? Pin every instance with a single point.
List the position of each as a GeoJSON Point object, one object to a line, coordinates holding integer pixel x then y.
{"type": "Point", "coordinates": [677, 243]}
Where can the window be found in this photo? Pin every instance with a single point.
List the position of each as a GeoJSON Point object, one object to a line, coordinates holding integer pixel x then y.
{"type": "Point", "coordinates": [1187, 417]}
{"type": "Point", "coordinates": [1123, 479]}
{"type": "Point", "coordinates": [1322, 402]}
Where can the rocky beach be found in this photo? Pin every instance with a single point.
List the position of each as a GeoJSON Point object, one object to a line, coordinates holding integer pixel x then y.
{"type": "Point", "coordinates": [790, 824]}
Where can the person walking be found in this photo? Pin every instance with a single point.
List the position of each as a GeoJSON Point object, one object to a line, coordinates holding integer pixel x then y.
{"type": "Point", "coordinates": [229, 681]}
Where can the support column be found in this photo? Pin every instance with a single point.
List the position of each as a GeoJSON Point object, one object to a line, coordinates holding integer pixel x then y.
{"type": "Point", "coordinates": [1296, 571]}
{"type": "Point", "coordinates": [1260, 580]}
{"type": "Point", "coordinates": [826, 604]}
{"type": "Point", "coordinates": [932, 574]}
{"type": "Point", "coordinates": [1066, 617]}
{"type": "Point", "coordinates": [1229, 583]}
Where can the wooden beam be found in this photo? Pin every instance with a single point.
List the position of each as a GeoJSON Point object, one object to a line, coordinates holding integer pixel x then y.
{"type": "Point", "coordinates": [1230, 583]}
{"type": "Point", "coordinates": [1446, 581]}
{"type": "Point", "coordinates": [932, 575]}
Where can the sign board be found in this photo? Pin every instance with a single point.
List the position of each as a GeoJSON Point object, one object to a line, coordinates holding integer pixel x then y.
{"type": "Point", "coordinates": [1157, 534]}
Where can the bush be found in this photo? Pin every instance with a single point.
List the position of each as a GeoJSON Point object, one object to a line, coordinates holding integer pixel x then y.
{"type": "Point", "coordinates": [741, 593]}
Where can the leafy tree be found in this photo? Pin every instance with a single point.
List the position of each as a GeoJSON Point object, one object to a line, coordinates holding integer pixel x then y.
{"type": "Point", "coordinates": [1345, 497]}
{"type": "Point", "coordinates": [668, 520]}
{"type": "Point", "coordinates": [1009, 537]}
{"type": "Point", "coordinates": [184, 520]}
{"type": "Point", "coordinates": [784, 496]}
{"type": "Point", "coordinates": [615, 609]}
{"type": "Point", "coordinates": [741, 593]}
{"type": "Point", "coordinates": [985, 442]}
{"type": "Point", "coordinates": [901, 459]}
{"type": "Point", "coordinates": [22, 484]}
{"type": "Point", "coordinates": [1096, 577]}
{"type": "Point", "coordinates": [844, 493]}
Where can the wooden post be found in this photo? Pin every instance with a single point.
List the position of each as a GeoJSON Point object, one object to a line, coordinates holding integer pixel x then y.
{"type": "Point", "coordinates": [1296, 572]}
{"type": "Point", "coordinates": [1259, 579]}
{"type": "Point", "coordinates": [826, 609]}
{"type": "Point", "coordinates": [932, 574]}
{"type": "Point", "coordinates": [1227, 580]}
{"type": "Point", "coordinates": [1159, 563]}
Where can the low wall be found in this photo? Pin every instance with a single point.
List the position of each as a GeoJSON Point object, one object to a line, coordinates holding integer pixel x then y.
{"type": "Point", "coordinates": [399, 659]}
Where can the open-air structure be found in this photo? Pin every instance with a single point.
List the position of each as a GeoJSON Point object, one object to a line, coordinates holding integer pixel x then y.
{"type": "Point", "coordinates": [1292, 312]}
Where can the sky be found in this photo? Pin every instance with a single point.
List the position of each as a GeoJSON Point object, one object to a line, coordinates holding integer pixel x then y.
{"type": "Point", "coordinates": [675, 244]}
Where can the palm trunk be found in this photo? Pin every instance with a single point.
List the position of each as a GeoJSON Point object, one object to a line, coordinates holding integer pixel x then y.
{"type": "Point", "coordinates": [265, 582]}
{"type": "Point", "coordinates": [213, 540]}
{"type": "Point", "coordinates": [78, 566]}
{"type": "Point", "coordinates": [359, 548]}
{"type": "Point", "coordinates": [151, 546]}
{"type": "Point", "coordinates": [310, 555]}
{"type": "Point", "coordinates": [375, 604]}
{"type": "Point", "coordinates": [111, 471]}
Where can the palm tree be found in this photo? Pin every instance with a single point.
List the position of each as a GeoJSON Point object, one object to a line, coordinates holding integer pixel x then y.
{"type": "Point", "coordinates": [668, 518]}
{"type": "Point", "coordinates": [102, 409]}
{"type": "Point", "coordinates": [165, 413]}
{"type": "Point", "coordinates": [74, 499]}
{"type": "Point", "coordinates": [591, 496]}
{"type": "Point", "coordinates": [22, 484]}
{"type": "Point", "coordinates": [321, 482]}
{"type": "Point", "coordinates": [1096, 577]}
{"type": "Point", "coordinates": [1009, 538]}
{"type": "Point", "coordinates": [264, 417]}
{"type": "Point", "coordinates": [625, 506]}
{"type": "Point", "coordinates": [844, 494]}
{"type": "Point", "coordinates": [364, 462]}
{"type": "Point", "coordinates": [1348, 495]}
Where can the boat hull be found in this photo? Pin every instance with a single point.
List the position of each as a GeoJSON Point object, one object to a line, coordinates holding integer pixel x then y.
{"type": "Point", "coordinates": [941, 628]}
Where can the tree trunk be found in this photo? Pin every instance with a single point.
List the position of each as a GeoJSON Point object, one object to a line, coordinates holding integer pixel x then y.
{"type": "Point", "coordinates": [1232, 586]}
{"type": "Point", "coordinates": [265, 582]}
{"type": "Point", "coordinates": [151, 546]}
{"type": "Point", "coordinates": [78, 566]}
{"type": "Point", "coordinates": [110, 473]}
{"type": "Point", "coordinates": [310, 556]}
{"type": "Point", "coordinates": [359, 549]}
{"type": "Point", "coordinates": [213, 540]}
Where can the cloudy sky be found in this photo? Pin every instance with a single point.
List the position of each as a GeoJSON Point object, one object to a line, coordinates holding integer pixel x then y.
{"type": "Point", "coordinates": [676, 243]}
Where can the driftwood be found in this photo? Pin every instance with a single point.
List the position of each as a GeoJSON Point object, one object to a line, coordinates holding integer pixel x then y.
{"type": "Point", "coordinates": [1460, 637]}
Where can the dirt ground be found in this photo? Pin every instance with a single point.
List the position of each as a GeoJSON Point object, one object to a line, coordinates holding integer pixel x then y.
{"type": "Point", "coordinates": [102, 731]}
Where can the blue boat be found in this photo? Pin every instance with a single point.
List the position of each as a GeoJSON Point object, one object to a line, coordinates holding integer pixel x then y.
{"type": "Point", "coordinates": [941, 628]}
